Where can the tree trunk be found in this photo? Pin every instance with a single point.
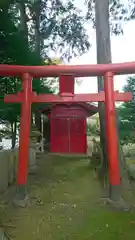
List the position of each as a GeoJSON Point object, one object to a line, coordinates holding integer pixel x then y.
{"type": "Point", "coordinates": [37, 50]}
{"type": "Point", "coordinates": [37, 31]}
{"type": "Point", "coordinates": [14, 130]}
{"type": "Point", "coordinates": [38, 120]}
{"type": "Point", "coordinates": [23, 20]}
{"type": "Point", "coordinates": [46, 130]}
{"type": "Point", "coordinates": [103, 57]}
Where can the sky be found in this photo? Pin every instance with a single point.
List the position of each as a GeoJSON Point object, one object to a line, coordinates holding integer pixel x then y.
{"type": "Point", "coordinates": [123, 50]}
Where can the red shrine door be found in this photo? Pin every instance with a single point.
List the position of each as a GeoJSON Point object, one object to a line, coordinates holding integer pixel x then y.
{"type": "Point", "coordinates": [59, 135]}
{"type": "Point", "coordinates": [78, 142]}
{"type": "Point", "coordinates": [68, 135]}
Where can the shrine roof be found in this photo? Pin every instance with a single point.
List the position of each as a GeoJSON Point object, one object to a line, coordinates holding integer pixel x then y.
{"type": "Point", "coordinates": [91, 108]}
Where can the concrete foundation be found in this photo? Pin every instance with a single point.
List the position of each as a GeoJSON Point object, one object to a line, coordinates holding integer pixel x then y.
{"type": "Point", "coordinates": [9, 166]}
{"type": "Point", "coordinates": [3, 172]}
{"type": "Point", "coordinates": [21, 198]}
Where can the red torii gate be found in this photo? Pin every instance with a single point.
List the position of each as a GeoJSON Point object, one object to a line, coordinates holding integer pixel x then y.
{"type": "Point", "coordinates": [26, 97]}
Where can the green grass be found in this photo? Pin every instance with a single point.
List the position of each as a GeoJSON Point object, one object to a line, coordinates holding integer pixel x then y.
{"type": "Point", "coordinates": [66, 205]}
{"type": "Point", "coordinates": [130, 161]}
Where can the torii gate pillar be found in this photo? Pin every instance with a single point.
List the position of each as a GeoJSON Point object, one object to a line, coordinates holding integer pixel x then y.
{"type": "Point", "coordinates": [25, 121]}
{"type": "Point", "coordinates": [111, 137]}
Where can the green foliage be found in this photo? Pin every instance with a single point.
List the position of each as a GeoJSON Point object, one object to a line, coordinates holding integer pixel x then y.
{"type": "Point", "coordinates": [118, 12]}
{"type": "Point", "coordinates": [9, 39]}
{"type": "Point", "coordinates": [126, 113]}
{"type": "Point", "coordinates": [5, 132]}
{"type": "Point", "coordinates": [93, 129]}
{"type": "Point", "coordinates": [61, 28]}
{"type": "Point", "coordinates": [14, 50]}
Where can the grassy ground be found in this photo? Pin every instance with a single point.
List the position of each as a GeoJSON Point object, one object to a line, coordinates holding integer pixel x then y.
{"type": "Point", "coordinates": [65, 204]}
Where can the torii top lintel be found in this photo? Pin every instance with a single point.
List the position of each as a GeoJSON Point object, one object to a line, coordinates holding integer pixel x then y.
{"type": "Point", "coordinates": [66, 93]}
{"type": "Point", "coordinates": [74, 70]}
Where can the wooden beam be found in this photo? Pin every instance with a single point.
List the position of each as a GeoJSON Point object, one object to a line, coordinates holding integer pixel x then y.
{"type": "Point", "coordinates": [74, 70]}
{"type": "Point", "coordinates": [51, 98]}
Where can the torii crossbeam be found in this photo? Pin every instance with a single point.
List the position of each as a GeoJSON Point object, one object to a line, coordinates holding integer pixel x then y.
{"type": "Point", "coordinates": [108, 96]}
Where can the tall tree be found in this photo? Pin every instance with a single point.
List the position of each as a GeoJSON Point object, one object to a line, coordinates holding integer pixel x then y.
{"type": "Point", "coordinates": [118, 12]}
{"type": "Point", "coordinates": [32, 29]}
{"type": "Point", "coordinates": [103, 56]}
{"type": "Point", "coordinates": [13, 50]}
{"type": "Point", "coordinates": [105, 12]}
{"type": "Point", "coordinates": [53, 26]}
